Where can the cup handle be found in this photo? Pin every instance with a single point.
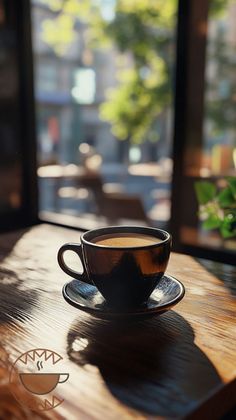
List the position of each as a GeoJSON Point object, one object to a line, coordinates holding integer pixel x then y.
{"type": "Point", "coordinates": [63, 378]}
{"type": "Point", "coordinates": [60, 258]}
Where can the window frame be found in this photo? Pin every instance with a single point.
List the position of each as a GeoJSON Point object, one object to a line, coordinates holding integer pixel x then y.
{"type": "Point", "coordinates": [27, 214]}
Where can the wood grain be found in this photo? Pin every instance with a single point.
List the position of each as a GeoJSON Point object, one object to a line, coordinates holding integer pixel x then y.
{"type": "Point", "coordinates": [181, 364]}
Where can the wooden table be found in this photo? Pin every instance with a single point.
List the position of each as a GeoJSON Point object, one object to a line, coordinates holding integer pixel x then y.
{"type": "Point", "coordinates": [180, 364]}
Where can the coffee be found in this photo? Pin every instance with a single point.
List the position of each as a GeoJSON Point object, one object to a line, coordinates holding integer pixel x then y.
{"type": "Point", "coordinates": [123, 240]}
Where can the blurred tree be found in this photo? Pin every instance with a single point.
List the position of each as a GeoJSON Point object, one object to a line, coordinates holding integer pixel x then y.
{"type": "Point", "coordinates": [217, 7]}
{"type": "Point", "coordinates": [143, 31]}
{"type": "Point", "coordinates": [59, 31]}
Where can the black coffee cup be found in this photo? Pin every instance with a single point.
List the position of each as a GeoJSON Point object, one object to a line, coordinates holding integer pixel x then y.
{"type": "Point", "coordinates": [125, 275]}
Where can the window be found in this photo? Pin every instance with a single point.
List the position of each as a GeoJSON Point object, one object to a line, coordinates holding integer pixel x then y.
{"type": "Point", "coordinates": [103, 83]}
{"type": "Point", "coordinates": [203, 207]}
{"type": "Point", "coordinates": [84, 89]}
{"type": "Point", "coordinates": [104, 117]}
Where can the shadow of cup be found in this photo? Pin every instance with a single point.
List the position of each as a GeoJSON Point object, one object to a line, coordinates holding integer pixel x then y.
{"type": "Point", "coordinates": [42, 383]}
{"type": "Point", "coordinates": [152, 365]}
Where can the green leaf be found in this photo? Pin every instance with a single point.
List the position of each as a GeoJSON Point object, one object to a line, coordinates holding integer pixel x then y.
{"type": "Point", "coordinates": [212, 222]}
{"type": "Point", "coordinates": [227, 233]}
{"type": "Point", "coordinates": [226, 198]}
{"type": "Point", "coordinates": [232, 185]}
{"type": "Point", "coordinates": [205, 191]}
{"type": "Point", "coordinates": [228, 227]}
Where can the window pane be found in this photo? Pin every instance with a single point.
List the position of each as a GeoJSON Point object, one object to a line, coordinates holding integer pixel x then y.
{"type": "Point", "coordinates": [103, 90]}
{"type": "Point", "coordinates": [210, 167]}
{"type": "Point", "coordinates": [220, 95]}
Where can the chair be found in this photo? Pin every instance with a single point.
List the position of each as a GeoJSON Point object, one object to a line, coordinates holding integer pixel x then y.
{"type": "Point", "coordinates": [108, 200]}
{"type": "Point", "coordinates": [122, 206]}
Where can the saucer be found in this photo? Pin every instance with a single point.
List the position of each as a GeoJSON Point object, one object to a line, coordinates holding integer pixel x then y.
{"type": "Point", "coordinates": [87, 298]}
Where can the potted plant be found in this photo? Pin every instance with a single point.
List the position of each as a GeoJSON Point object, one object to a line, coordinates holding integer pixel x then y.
{"type": "Point", "coordinates": [217, 206]}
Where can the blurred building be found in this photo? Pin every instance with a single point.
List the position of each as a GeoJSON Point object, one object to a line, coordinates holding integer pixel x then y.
{"type": "Point", "coordinates": [69, 89]}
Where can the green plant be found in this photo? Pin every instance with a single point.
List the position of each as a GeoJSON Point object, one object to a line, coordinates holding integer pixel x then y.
{"type": "Point", "coordinates": [217, 206]}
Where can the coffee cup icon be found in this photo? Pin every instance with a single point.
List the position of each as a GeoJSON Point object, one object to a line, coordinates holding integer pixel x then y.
{"type": "Point", "coordinates": [42, 383]}
{"type": "Point", "coordinates": [35, 375]}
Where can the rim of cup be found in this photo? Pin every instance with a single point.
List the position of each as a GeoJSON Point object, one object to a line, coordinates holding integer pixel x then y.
{"type": "Point", "coordinates": [123, 229]}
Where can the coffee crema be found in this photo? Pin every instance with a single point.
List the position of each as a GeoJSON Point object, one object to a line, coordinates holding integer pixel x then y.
{"type": "Point", "coordinates": [123, 240]}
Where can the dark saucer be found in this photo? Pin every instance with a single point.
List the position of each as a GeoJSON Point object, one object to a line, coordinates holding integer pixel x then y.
{"type": "Point", "coordinates": [167, 293]}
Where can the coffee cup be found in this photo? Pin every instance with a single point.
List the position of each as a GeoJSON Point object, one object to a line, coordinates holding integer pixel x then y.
{"type": "Point", "coordinates": [125, 263]}
{"type": "Point", "coordinates": [42, 383]}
